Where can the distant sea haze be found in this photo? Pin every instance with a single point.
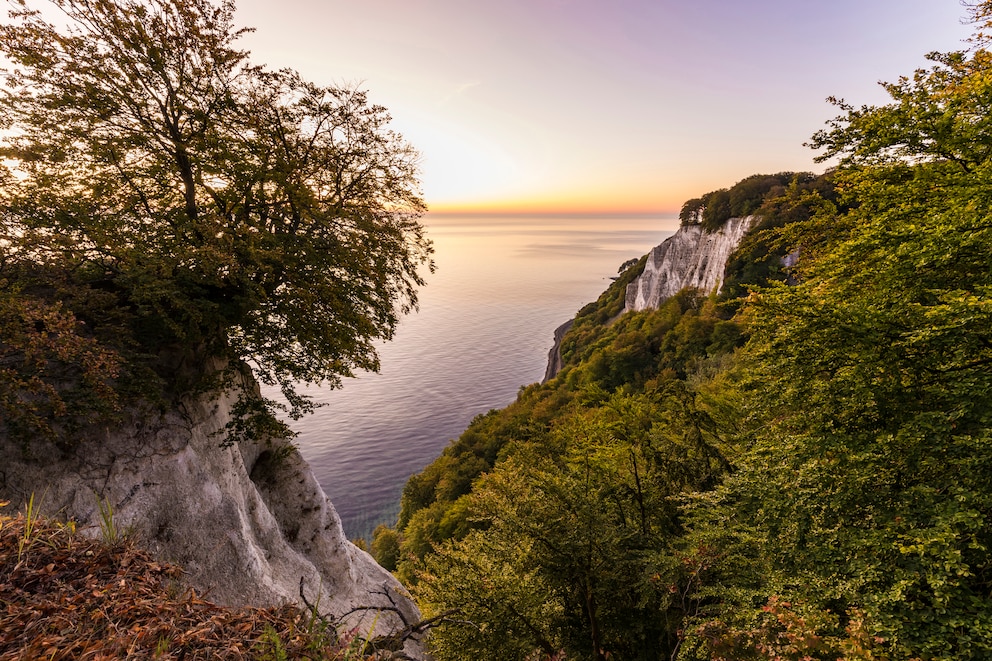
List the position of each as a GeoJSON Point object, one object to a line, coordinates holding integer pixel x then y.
{"type": "Point", "coordinates": [485, 325]}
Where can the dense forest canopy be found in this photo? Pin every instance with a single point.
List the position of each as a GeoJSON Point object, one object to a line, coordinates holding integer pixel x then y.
{"type": "Point", "coordinates": [166, 202]}
{"type": "Point", "coordinates": [744, 198]}
{"type": "Point", "coordinates": [796, 468]}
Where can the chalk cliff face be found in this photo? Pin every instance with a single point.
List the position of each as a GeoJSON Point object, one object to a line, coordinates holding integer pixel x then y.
{"type": "Point", "coordinates": [248, 522]}
{"type": "Point", "coordinates": [689, 258]}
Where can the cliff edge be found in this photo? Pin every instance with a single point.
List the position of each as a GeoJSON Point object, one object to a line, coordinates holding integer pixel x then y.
{"type": "Point", "coordinates": [248, 522]}
{"type": "Point", "coordinates": [691, 257]}
{"type": "Point", "coordinates": [554, 354]}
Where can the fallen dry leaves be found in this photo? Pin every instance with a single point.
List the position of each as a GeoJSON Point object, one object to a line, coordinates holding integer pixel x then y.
{"type": "Point", "coordinates": [63, 596]}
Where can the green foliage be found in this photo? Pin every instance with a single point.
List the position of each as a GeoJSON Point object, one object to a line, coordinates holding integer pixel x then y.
{"type": "Point", "coordinates": [692, 211]}
{"type": "Point", "coordinates": [771, 250]}
{"type": "Point", "coordinates": [270, 647]}
{"type": "Point", "coordinates": [633, 261]}
{"type": "Point", "coordinates": [865, 491]}
{"type": "Point", "coordinates": [554, 525]}
{"type": "Point", "coordinates": [429, 494]}
{"type": "Point", "coordinates": [30, 521]}
{"type": "Point", "coordinates": [110, 532]}
{"type": "Point", "coordinates": [253, 417]}
{"type": "Point", "coordinates": [650, 351]}
{"type": "Point", "coordinates": [566, 553]}
{"type": "Point", "coordinates": [583, 474]}
{"type": "Point", "coordinates": [744, 198]}
{"type": "Point", "coordinates": [386, 547]}
{"type": "Point", "coordinates": [187, 205]}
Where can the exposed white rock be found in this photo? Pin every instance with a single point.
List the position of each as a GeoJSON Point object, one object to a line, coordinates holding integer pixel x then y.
{"type": "Point", "coordinates": [689, 258]}
{"type": "Point", "coordinates": [554, 355]}
{"type": "Point", "coordinates": [247, 522]}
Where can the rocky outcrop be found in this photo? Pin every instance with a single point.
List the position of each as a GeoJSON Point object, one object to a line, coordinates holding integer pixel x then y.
{"type": "Point", "coordinates": [249, 523]}
{"type": "Point", "coordinates": [691, 257]}
{"type": "Point", "coordinates": [554, 355]}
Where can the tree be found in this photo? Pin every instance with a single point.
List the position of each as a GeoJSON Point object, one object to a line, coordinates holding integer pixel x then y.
{"type": "Point", "coordinates": [229, 211]}
{"type": "Point", "coordinates": [40, 342]}
{"type": "Point", "coordinates": [574, 544]}
{"type": "Point", "coordinates": [866, 490]}
{"type": "Point", "coordinates": [717, 210]}
{"type": "Point", "coordinates": [692, 211]}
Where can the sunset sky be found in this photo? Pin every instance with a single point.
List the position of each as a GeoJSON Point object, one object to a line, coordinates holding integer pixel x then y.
{"type": "Point", "coordinates": [602, 105]}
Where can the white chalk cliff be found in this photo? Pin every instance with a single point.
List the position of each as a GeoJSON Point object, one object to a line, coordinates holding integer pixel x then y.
{"type": "Point", "coordinates": [249, 523]}
{"type": "Point", "coordinates": [689, 258]}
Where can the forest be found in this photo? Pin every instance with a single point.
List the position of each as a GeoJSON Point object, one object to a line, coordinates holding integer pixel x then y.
{"type": "Point", "coordinates": [794, 467]}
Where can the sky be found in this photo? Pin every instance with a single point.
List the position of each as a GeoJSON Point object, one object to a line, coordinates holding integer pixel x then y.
{"type": "Point", "coordinates": [602, 105]}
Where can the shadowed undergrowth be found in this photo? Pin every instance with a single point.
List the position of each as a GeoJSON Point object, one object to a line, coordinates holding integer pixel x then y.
{"type": "Point", "coordinates": [66, 596]}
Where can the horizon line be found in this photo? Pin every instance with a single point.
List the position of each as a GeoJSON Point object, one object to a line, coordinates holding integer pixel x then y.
{"type": "Point", "coordinates": [480, 213]}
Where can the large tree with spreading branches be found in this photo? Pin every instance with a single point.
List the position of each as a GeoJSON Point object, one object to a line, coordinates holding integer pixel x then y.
{"type": "Point", "coordinates": [166, 202]}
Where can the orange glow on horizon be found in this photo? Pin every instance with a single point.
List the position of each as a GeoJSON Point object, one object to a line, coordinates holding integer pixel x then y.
{"type": "Point", "coordinates": [566, 205]}
{"type": "Point", "coordinates": [635, 197]}
{"type": "Point", "coordinates": [512, 209]}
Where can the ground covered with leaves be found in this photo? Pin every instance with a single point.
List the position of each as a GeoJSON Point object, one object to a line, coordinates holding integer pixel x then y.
{"type": "Point", "coordinates": [66, 596]}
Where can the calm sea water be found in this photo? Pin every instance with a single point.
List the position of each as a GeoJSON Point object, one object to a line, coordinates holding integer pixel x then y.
{"type": "Point", "coordinates": [485, 325]}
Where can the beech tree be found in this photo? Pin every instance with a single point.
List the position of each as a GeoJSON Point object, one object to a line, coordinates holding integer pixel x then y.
{"type": "Point", "coordinates": [184, 204]}
{"type": "Point", "coordinates": [865, 500]}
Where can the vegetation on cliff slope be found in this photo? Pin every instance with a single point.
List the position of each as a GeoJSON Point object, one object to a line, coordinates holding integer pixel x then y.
{"type": "Point", "coordinates": [744, 198]}
{"type": "Point", "coordinates": [797, 469]}
{"type": "Point", "coordinates": [167, 202]}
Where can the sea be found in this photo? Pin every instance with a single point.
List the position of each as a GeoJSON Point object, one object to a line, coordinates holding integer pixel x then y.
{"type": "Point", "coordinates": [483, 330]}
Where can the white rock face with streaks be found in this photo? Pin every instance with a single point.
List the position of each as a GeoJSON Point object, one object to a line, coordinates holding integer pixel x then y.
{"type": "Point", "coordinates": [247, 522]}
{"type": "Point", "coordinates": [689, 258]}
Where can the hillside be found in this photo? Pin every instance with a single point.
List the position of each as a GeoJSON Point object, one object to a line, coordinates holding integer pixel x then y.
{"type": "Point", "coordinates": [644, 392]}
{"type": "Point", "coordinates": [796, 468]}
